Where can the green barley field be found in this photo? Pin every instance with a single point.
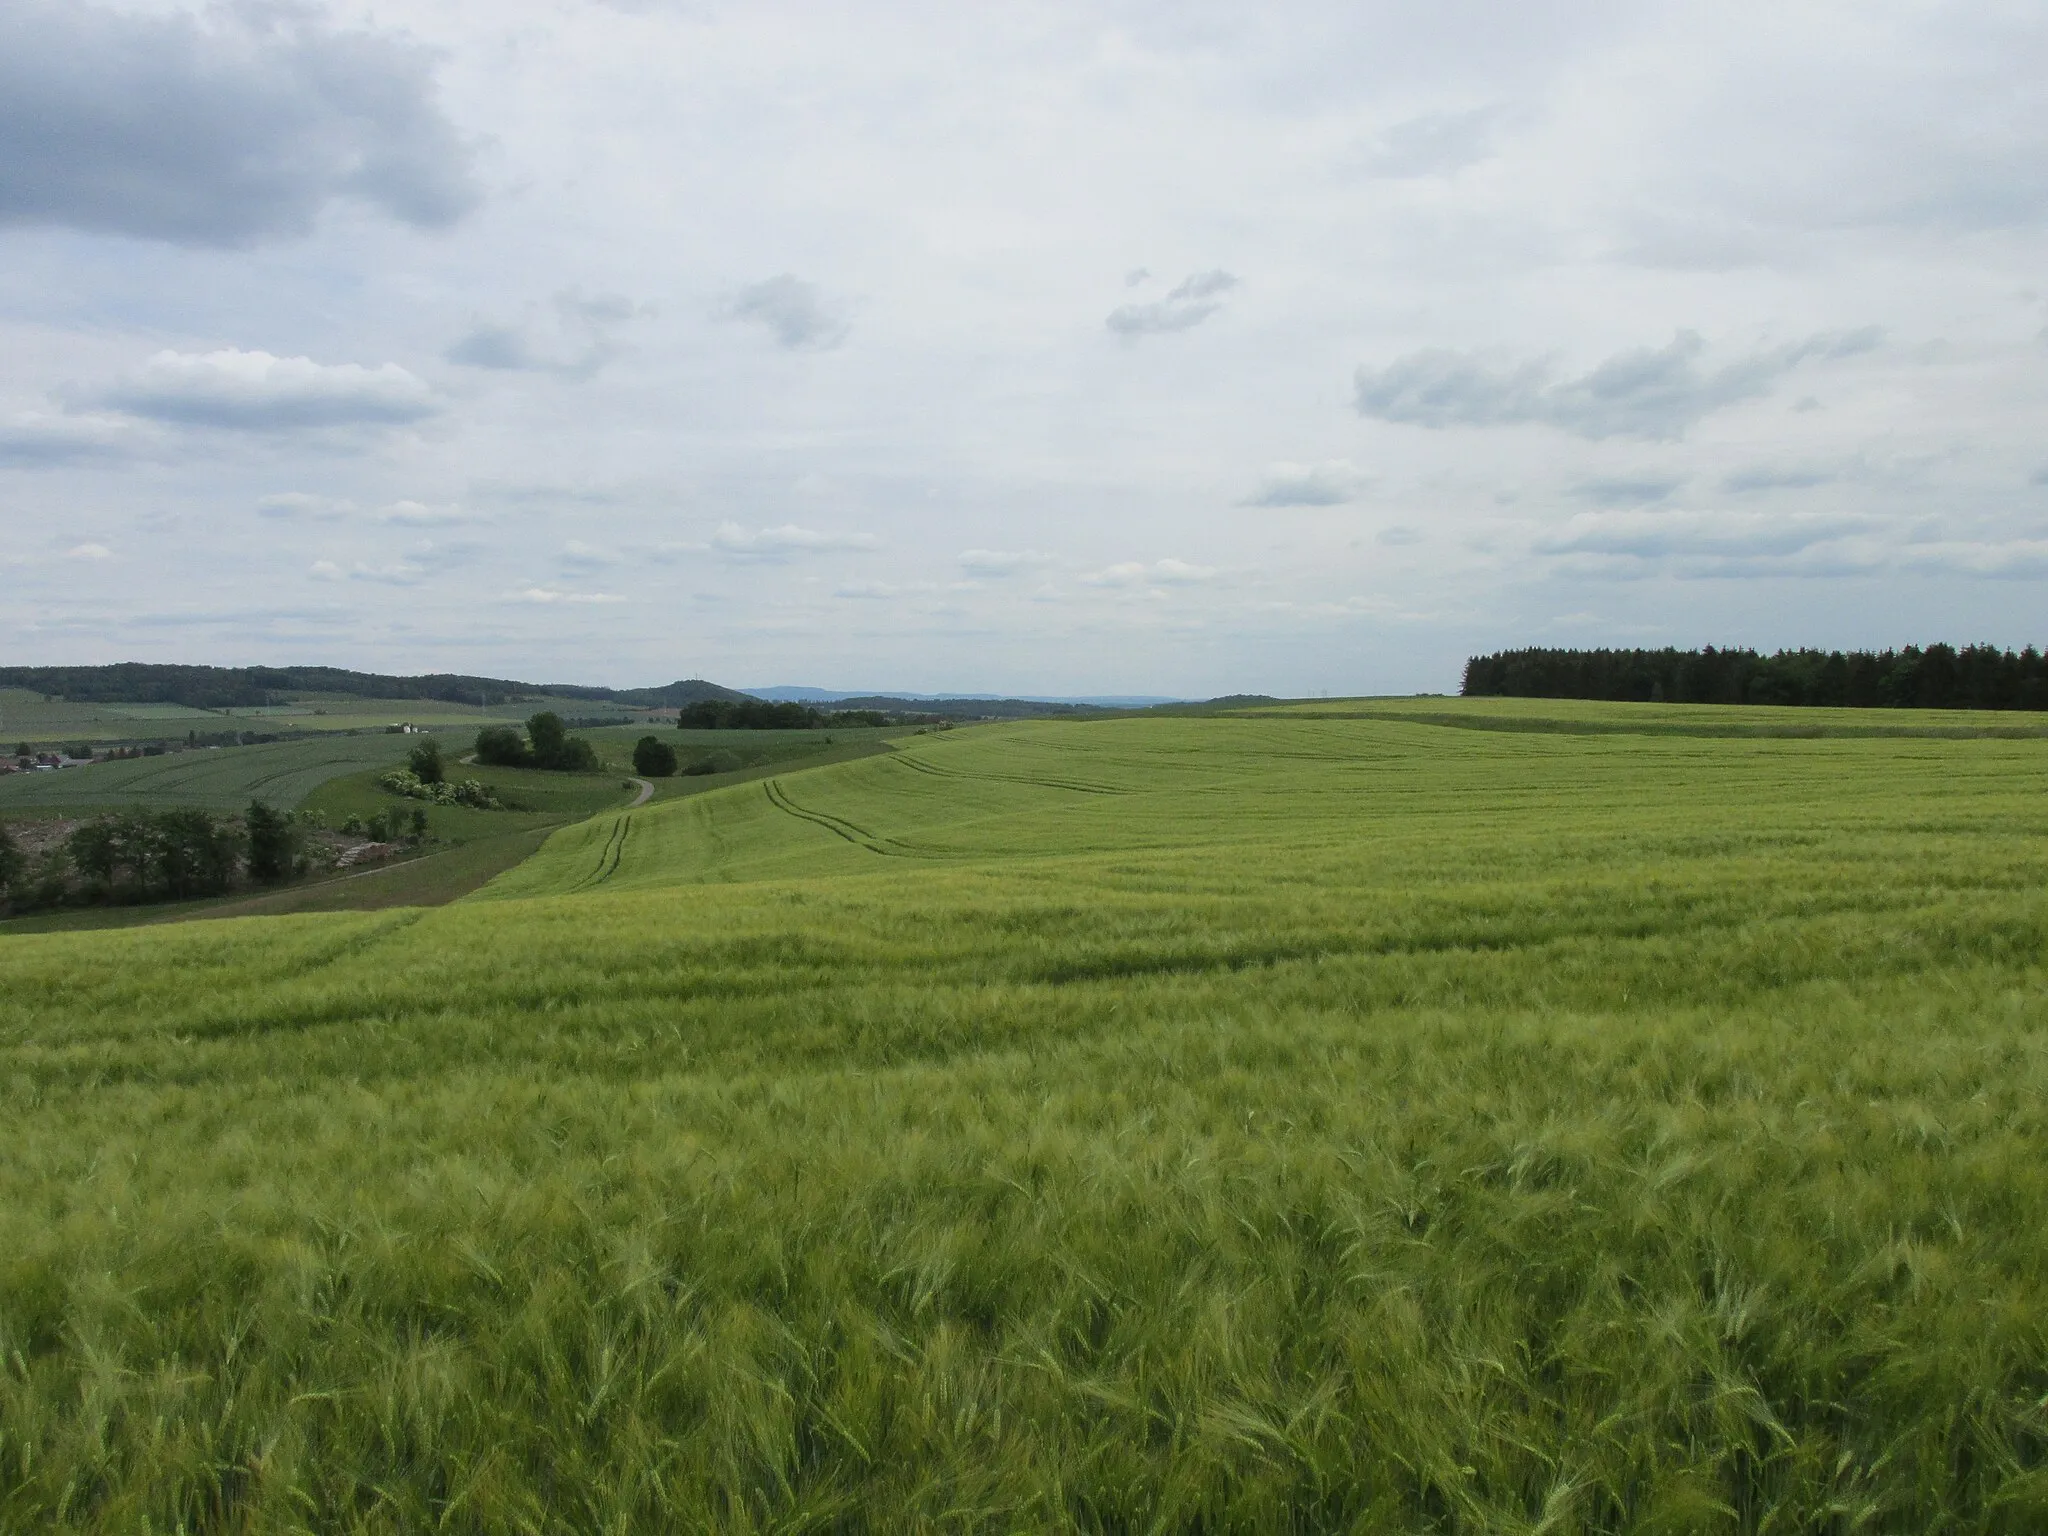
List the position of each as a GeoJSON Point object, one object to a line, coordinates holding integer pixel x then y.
{"type": "Point", "coordinates": [1329, 1121]}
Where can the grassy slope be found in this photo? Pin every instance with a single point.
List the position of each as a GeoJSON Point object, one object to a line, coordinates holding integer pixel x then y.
{"type": "Point", "coordinates": [1167, 1124]}
{"type": "Point", "coordinates": [283, 773]}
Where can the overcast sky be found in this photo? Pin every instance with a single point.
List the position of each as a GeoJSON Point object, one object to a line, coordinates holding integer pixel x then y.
{"type": "Point", "coordinates": [1174, 347]}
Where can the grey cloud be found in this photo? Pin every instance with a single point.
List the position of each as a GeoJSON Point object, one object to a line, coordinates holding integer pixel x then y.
{"type": "Point", "coordinates": [1659, 535]}
{"type": "Point", "coordinates": [492, 346]}
{"type": "Point", "coordinates": [1627, 490]}
{"type": "Point", "coordinates": [1654, 393]}
{"type": "Point", "coordinates": [1397, 535]}
{"type": "Point", "coordinates": [1001, 562]}
{"type": "Point", "coordinates": [1185, 307]}
{"type": "Point", "coordinates": [793, 311]}
{"type": "Point", "coordinates": [1327, 484]}
{"type": "Point", "coordinates": [221, 129]}
{"type": "Point", "coordinates": [1434, 144]}
{"type": "Point", "coordinates": [1764, 477]}
{"type": "Point", "coordinates": [576, 346]}
{"type": "Point", "coordinates": [39, 439]}
{"type": "Point", "coordinates": [254, 391]}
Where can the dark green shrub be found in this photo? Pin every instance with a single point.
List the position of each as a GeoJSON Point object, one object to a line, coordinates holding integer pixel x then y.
{"type": "Point", "coordinates": [653, 758]}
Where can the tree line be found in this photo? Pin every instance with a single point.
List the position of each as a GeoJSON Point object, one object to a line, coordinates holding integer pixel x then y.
{"type": "Point", "coordinates": [765, 715]}
{"type": "Point", "coordinates": [143, 855]}
{"type": "Point", "coordinates": [1934, 677]}
{"type": "Point", "coordinates": [135, 682]}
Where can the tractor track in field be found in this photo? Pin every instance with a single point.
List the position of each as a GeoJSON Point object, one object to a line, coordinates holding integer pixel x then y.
{"type": "Point", "coordinates": [837, 825]}
{"type": "Point", "coordinates": [1077, 786]}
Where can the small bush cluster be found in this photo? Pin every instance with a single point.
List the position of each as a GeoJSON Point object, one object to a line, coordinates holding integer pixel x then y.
{"type": "Point", "coordinates": [394, 825]}
{"type": "Point", "coordinates": [469, 792]}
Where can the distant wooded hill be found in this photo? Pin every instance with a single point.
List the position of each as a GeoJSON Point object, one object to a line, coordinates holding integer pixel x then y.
{"type": "Point", "coordinates": [132, 682]}
{"type": "Point", "coordinates": [1938, 677]}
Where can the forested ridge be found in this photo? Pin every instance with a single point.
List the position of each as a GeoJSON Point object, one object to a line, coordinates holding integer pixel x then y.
{"type": "Point", "coordinates": [134, 682]}
{"type": "Point", "coordinates": [1936, 677]}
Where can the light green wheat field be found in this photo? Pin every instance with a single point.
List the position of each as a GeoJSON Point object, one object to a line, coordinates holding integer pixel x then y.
{"type": "Point", "coordinates": [1278, 1124]}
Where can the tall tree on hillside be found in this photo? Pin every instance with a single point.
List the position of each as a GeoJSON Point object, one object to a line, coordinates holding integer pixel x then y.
{"type": "Point", "coordinates": [425, 762]}
{"type": "Point", "coordinates": [270, 843]}
{"type": "Point", "coordinates": [654, 757]}
{"type": "Point", "coordinates": [11, 866]}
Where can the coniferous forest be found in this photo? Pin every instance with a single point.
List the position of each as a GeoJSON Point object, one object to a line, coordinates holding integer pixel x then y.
{"type": "Point", "coordinates": [1936, 677]}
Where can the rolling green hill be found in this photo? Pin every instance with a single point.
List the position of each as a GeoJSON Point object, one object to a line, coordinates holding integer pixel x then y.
{"type": "Point", "coordinates": [1241, 1123]}
{"type": "Point", "coordinates": [282, 773]}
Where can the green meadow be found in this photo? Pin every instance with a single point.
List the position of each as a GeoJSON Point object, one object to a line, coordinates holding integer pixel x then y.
{"type": "Point", "coordinates": [1336, 1117]}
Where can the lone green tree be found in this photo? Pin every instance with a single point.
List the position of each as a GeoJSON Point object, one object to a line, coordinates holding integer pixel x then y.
{"type": "Point", "coordinates": [270, 843]}
{"type": "Point", "coordinates": [653, 757]}
{"type": "Point", "coordinates": [499, 746]}
{"type": "Point", "coordinates": [425, 762]}
{"type": "Point", "coordinates": [547, 733]}
{"type": "Point", "coordinates": [11, 866]}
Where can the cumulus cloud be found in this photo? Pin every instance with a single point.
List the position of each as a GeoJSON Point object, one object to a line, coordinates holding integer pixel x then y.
{"type": "Point", "coordinates": [794, 312]}
{"type": "Point", "coordinates": [775, 544]}
{"type": "Point", "coordinates": [1434, 144]}
{"type": "Point", "coordinates": [256, 392]}
{"type": "Point", "coordinates": [1654, 393]}
{"type": "Point", "coordinates": [1187, 306]}
{"type": "Point", "coordinates": [220, 128]}
{"type": "Point", "coordinates": [1001, 562]}
{"type": "Point", "coordinates": [1327, 484]}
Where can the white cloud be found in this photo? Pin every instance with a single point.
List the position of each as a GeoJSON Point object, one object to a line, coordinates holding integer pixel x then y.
{"type": "Point", "coordinates": [254, 391]}
{"type": "Point", "coordinates": [1001, 562]}
{"type": "Point", "coordinates": [88, 552]}
{"type": "Point", "coordinates": [420, 514]}
{"type": "Point", "coordinates": [549, 595]}
{"type": "Point", "coordinates": [774, 544]}
{"type": "Point", "coordinates": [1135, 573]}
{"type": "Point", "coordinates": [297, 506]}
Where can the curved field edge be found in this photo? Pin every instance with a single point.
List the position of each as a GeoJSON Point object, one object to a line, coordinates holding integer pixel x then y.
{"type": "Point", "coordinates": [1198, 1126]}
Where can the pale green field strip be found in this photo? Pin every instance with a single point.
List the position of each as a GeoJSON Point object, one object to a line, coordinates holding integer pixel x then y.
{"type": "Point", "coordinates": [282, 773]}
{"type": "Point", "coordinates": [1597, 717]}
{"type": "Point", "coordinates": [1221, 1125]}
